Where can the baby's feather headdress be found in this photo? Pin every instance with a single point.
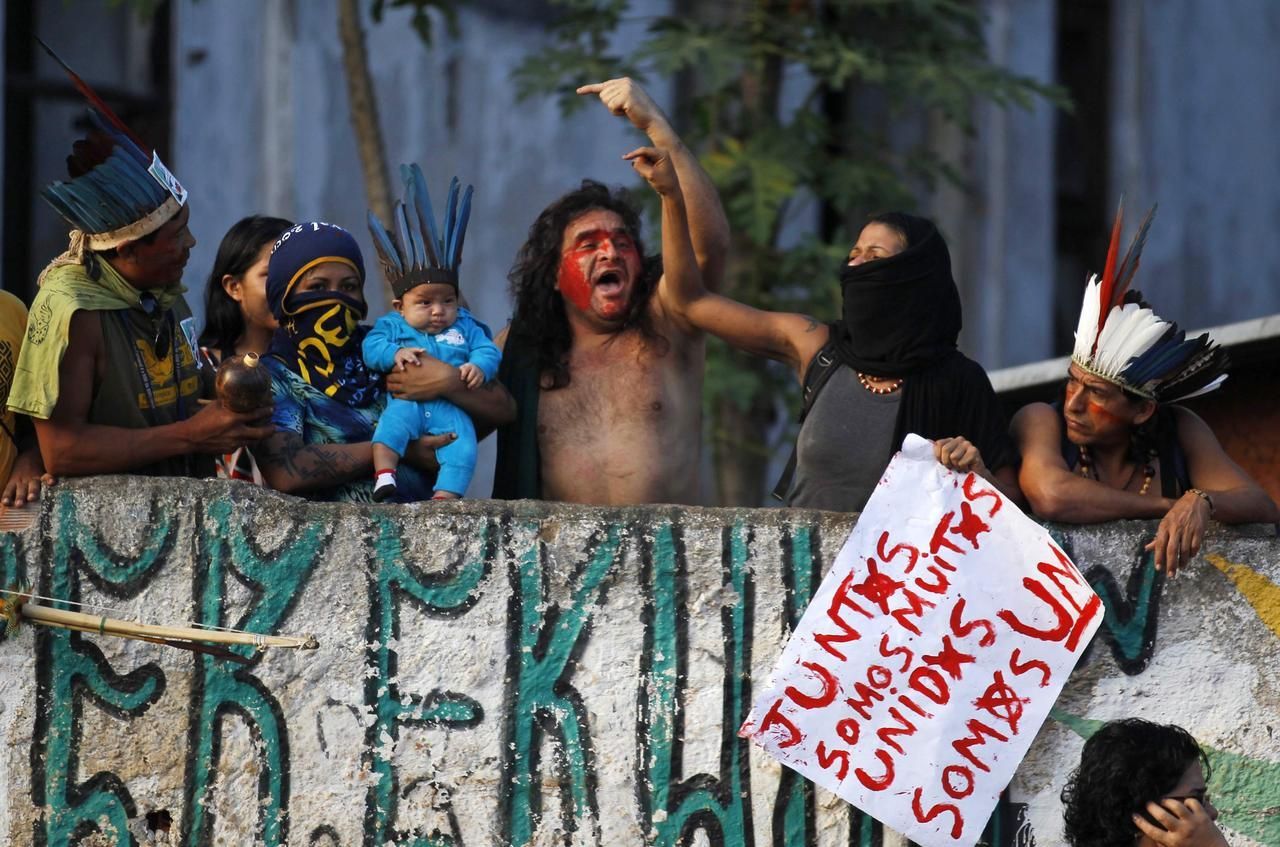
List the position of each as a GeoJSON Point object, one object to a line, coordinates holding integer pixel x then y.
{"type": "Point", "coordinates": [418, 252]}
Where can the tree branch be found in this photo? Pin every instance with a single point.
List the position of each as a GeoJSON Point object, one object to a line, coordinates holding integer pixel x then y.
{"type": "Point", "coordinates": [364, 109]}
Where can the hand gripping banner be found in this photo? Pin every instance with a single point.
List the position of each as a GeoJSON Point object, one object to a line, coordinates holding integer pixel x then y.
{"type": "Point", "coordinates": [931, 654]}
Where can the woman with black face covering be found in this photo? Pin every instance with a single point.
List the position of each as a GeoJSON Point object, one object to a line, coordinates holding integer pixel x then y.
{"type": "Point", "coordinates": [894, 368]}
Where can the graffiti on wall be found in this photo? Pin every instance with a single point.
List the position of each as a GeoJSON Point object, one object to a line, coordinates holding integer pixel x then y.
{"type": "Point", "coordinates": [550, 747]}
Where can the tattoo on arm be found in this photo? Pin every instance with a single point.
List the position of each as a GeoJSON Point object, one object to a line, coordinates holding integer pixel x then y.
{"type": "Point", "coordinates": [813, 324]}
{"type": "Point", "coordinates": [307, 463]}
{"type": "Point", "coordinates": [280, 450]}
{"type": "Point", "coordinates": [329, 465]}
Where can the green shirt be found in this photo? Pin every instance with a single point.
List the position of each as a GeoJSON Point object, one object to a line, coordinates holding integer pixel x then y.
{"type": "Point", "coordinates": [151, 379]}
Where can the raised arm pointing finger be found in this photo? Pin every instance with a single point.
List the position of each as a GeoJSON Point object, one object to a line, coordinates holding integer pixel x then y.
{"type": "Point", "coordinates": [623, 96]}
{"type": "Point", "coordinates": [656, 168]}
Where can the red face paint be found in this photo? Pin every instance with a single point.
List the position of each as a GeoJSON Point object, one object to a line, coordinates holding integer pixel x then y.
{"type": "Point", "coordinates": [612, 309]}
{"type": "Point", "coordinates": [1101, 414]}
{"type": "Point", "coordinates": [573, 284]}
{"type": "Point", "coordinates": [595, 252]}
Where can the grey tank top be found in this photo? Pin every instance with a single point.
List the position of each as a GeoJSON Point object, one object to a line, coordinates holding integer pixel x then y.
{"type": "Point", "coordinates": [844, 445]}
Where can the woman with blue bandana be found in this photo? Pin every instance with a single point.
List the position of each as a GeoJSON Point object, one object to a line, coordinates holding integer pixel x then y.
{"type": "Point", "coordinates": [326, 401]}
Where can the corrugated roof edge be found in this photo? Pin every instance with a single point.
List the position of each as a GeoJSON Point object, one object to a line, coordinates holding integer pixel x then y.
{"type": "Point", "coordinates": [1261, 332]}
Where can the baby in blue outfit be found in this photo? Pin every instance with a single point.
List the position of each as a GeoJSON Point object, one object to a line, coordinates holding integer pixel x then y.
{"type": "Point", "coordinates": [422, 268]}
{"type": "Point", "coordinates": [428, 320]}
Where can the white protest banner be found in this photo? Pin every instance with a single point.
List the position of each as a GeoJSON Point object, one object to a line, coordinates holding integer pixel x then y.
{"type": "Point", "coordinates": [929, 656]}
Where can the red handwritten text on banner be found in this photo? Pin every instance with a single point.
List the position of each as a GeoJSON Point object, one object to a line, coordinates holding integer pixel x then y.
{"type": "Point", "coordinates": [930, 655]}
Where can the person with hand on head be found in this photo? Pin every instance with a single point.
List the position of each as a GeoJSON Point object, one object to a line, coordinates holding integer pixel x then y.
{"type": "Point", "coordinates": [422, 270]}
{"type": "Point", "coordinates": [888, 367]}
{"type": "Point", "coordinates": [109, 372]}
{"type": "Point", "coordinates": [327, 401]}
{"type": "Point", "coordinates": [237, 320]}
{"type": "Point", "coordinates": [1140, 784]}
{"type": "Point", "coordinates": [1117, 447]}
{"type": "Point", "coordinates": [607, 378]}
{"type": "Point", "coordinates": [21, 466]}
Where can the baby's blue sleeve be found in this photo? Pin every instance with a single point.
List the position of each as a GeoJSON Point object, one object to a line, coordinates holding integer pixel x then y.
{"type": "Point", "coordinates": [485, 355]}
{"type": "Point", "coordinates": [381, 343]}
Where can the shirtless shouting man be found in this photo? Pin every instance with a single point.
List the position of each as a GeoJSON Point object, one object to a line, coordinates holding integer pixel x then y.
{"type": "Point", "coordinates": [606, 375]}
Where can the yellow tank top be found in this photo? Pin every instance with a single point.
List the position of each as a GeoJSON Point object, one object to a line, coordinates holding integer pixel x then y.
{"type": "Point", "coordinates": [13, 326]}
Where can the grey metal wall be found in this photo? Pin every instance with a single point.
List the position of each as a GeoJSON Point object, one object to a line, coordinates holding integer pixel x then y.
{"type": "Point", "coordinates": [1196, 118]}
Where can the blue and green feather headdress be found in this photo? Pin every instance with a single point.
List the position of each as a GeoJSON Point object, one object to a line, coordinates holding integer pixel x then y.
{"type": "Point", "coordinates": [418, 252]}
{"type": "Point", "coordinates": [118, 190]}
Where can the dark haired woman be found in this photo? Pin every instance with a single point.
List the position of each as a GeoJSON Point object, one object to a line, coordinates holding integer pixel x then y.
{"type": "Point", "coordinates": [1140, 784]}
{"type": "Point", "coordinates": [889, 367]}
{"type": "Point", "coordinates": [236, 317]}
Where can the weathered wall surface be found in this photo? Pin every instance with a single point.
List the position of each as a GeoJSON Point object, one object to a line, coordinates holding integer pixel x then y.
{"type": "Point", "coordinates": [495, 674]}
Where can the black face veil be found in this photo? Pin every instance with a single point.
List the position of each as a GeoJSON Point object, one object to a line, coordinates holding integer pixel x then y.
{"type": "Point", "coordinates": [901, 314]}
{"type": "Point", "coordinates": [902, 319]}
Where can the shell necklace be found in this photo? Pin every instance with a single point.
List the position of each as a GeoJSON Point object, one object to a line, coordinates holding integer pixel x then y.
{"type": "Point", "coordinates": [879, 389]}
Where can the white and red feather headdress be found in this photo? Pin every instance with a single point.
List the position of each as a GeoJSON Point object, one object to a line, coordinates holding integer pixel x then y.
{"type": "Point", "coordinates": [1120, 339]}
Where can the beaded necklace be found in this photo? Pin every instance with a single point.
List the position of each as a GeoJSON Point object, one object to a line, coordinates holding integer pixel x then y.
{"type": "Point", "coordinates": [1087, 471]}
{"type": "Point", "coordinates": [877, 389]}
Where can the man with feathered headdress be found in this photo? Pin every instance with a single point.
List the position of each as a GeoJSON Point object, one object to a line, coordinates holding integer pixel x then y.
{"type": "Point", "coordinates": [109, 371]}
{"type": "Point", "coordinates": [1116, 447]}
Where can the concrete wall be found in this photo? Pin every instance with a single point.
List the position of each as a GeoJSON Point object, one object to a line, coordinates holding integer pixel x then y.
{"type": "Point", "coordinates": [1246, 420]}
{"type": "Point", "coordinates": [261, 124]}
{"type": "Point", "coordinates": [1190, 126]}
{"type": "Point", "coordinates": [108, 46]}
{"type": "Point", "coordinates": [495, 674]}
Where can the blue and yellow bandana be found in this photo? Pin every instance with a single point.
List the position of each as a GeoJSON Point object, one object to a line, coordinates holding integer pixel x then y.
{"type": "Point", "coordinates": [320, 331]}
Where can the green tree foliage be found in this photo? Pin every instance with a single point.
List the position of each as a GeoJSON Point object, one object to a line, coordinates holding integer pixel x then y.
{"type": "Point", "coordinates": [790, 104]}
{"type": "Point", "coordinates": [419, 19]}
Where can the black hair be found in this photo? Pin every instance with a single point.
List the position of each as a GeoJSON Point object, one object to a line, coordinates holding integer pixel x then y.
{"type": "Point", "coordinates": [912, 229]}
{"type": "Point", "coordinates": [1124, 766]}
{"type": "Point", "coordinates": [114, 252]}
{"type": "Point", "coordinates": [900, 222]}
{"type": "Point", "coordinates": [539, 318]}
{"type": "Point", "coordinates": [223, 320]}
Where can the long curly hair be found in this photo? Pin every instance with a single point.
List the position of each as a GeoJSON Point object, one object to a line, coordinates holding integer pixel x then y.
{"type": "Point", "coordinates": [1124, 766]}
{"type": "Point", "coordinates": [539, 320]}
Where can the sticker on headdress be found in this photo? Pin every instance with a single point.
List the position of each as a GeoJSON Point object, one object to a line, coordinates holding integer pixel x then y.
{"type": "Point", "coordinates": [166, 179]}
